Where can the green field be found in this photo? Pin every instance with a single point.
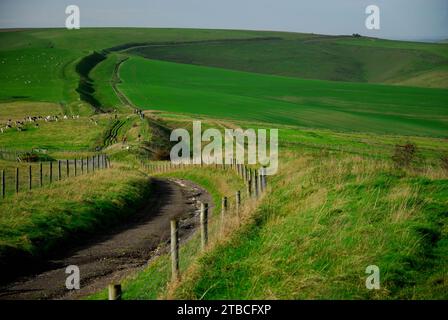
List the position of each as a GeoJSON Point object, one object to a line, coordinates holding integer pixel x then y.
{"type": "Point", "coordinates": [330, 58]}
{"type": "Point", "coordinates": [339, 203]}
{"type": "Point", "coordinates": [272, 99]}
{"type": "Point", "coordinates": [39, 64]}
{"type": "Point", "coordinates": [65, 135]}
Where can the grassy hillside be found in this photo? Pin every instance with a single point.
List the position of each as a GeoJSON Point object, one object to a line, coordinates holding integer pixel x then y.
{"type": "Point", "coordinates": [337, 206]}
{"type": "Point", "coordinates": [39, 64]}
{"type": "Point", "coordinates": [67, 137]}
{"type": "Point", "coordinates": [330, 58]}
{"type": "Point", "coordinates": [103, 76]}
{"type": "Point", "coordinates": [326, 218]}
{"type": "Point", "coordinates": [38, 74]}
{"type": "Point", "coordinates": [71, 135]}
{"type": "Point", "coordinates": [310, 103]}
{"type": "Point", "coordinates": [32, 223]}
{"type": "Point", "coordinates": [362, 144]}
{"type": "Point", "coordinates": [20, 110]}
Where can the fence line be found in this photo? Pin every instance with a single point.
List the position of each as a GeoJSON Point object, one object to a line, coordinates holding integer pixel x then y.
{"type": "Point", "coordinates": [26, 178]}
{"type": "Point", "coordinates": [256, 183]}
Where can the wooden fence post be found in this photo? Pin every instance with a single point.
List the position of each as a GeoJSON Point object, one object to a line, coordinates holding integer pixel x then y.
{"type": "Point", "coordinates": [30, 176]}
{"type": "Point", "coordinates": [59, 171]}
{"type": "Point", "coordinates": [51, 172]}
{"type": "Point", "coordinates": [82, 165]}
{"type": "Point", "coordinates": [41, 176]}
{"type": "Point", "coordinates": [67, 167]}
{"type": "Point", "coordinates": [87, 164]}
{"type": "Point", "coordinates": [263, 179]}
{"type": "Point", "coordinates": [3, 184]}
{"type": "Point", "coordinates": [224, 205]}
{"type": "Point", "coordinates": [115, 292]}
{"type": "Point", "coordinates": [17, 180]}
{"type": "Point", "coordinates": [223, 211]}
{"type": "Point", "coordinates": [249, 188]}
{"type": "Point", "coordinates": [204, 225]}
{"type": "Point", "coordinates": [76, 167]}
{"type": "Point", "coordinates": [174, 250]}
{"type": "Point", "coordinates": [238, 203]}
{"type": "Point", "coordinates": [255, 176]}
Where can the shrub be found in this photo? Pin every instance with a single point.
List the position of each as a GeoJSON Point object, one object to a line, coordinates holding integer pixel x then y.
{"type": "Point", "coordinates": [444, 162]}
{"type": "Point", "coordinates": [404, 155]}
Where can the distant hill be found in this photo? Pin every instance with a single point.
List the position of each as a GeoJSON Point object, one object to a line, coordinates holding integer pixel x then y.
{"type": "Point", "coordinates": [40, 64]}
{"type": "Point", "coordinates": [337, 58]}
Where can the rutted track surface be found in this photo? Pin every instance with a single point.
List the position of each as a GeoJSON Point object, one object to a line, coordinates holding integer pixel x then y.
{"type": "Point", "coordinates": [112, 133]}
{"type": "Point", "coordinates": [108, 257]}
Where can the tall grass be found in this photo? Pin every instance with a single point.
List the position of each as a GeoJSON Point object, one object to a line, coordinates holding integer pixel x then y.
{"type": "Point", "coordinates": [325, 220]}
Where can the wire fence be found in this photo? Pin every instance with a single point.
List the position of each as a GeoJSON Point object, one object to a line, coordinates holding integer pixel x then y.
{"type": "Point", "coordinates": [212, 228]}
{"type": "Point", "coordinates": [25, 177]}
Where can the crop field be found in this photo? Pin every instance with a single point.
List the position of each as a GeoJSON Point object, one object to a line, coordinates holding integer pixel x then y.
{"type": "Point", "coordinates": [332, 58]}
{"type": "Point", "coordinates": [309, 103]}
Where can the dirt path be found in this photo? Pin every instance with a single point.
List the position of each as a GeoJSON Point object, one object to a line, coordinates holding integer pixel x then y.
{"type": "Point", "coordinates": [108, 257]}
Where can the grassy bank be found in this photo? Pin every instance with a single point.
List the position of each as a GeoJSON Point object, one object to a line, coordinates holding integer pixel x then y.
{"type": "Point", "coordinates": [329, 216]}
{"type": "Point", "coordinates": [34, 223]}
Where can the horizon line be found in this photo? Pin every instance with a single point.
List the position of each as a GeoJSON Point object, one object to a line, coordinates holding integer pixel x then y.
{"type": "Point", "coordinates": [424, 40]}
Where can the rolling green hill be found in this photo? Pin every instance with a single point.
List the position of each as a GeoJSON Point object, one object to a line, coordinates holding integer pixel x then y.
{"type": "Point", "coordinates": [325, 58]}
{"type": "Point", "coordinates": [310, 103]}
{"type": "Point", "coordinates": [39, 64]}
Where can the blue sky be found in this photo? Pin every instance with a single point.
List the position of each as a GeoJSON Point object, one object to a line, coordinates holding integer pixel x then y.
{"type": "Point", "coordinates": [400, 19]}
